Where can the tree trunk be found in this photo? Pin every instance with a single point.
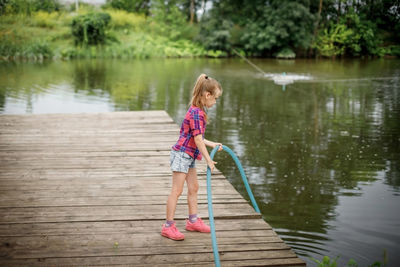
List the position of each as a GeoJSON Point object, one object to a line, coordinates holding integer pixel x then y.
{"type": "Point", "coordinates": [316, 24]}
{"type": "Point", "coordinates": [371, 9]}
{"type": "Point", "coordinates": [318, 19]}
{"type": "Point", "coordinates": [203, 6]}
{"type": "Point", "coordinates": [191, 11]}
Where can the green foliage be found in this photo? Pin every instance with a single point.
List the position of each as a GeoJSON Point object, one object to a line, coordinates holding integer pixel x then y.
{"type": "Point", "coordinates": [7, 48]}
{"type": "Point", "coordinates": [352, 263]}
{"type": "Point", "coordinates": [83, 7]}
{"type": "Point", "coordinates": [134, 6]}
{"type": "Point", "coordinates": [46, 5]}
{"type": "Point", "coordinates": [28, 6]}
{"type": "Point", "coordinates": [45, 19]}
{"type": "Point", "coordinates": [90, 29]}
{"type": "Point", "coordinates": [3, 4]}
{"type": "Point", "coordinates": [280, 28]}
{"type": "Point", "coordinates": [168, 20]}
{"type": "Point", "coordinates": [141, 46]}
{"type": "Point", "coordinates": [352, 36]}
{"type": "Point", "coordinates": [127, 39]}
{"type": "Point", "coordinates": [215, 34]}
{"type": "Point", "coordinates": [394, 50]}
{"type": "Point", "coordinates": [216, 53]}
{"type": "Point", "coordinates": [326, 262]}
{"type": "Point", "coordinates": [332, 41]}
{"type": "Point", "coordinates": [35, 50]}
{"type": "Point", "coordinates": [40, 48]}
{"type": "Point", "coordinates": [365, 40]}
{"type": "Point", "coordinates": [16, 7]}
{"type": "Point", "coordinates": [286, 53]}
{"type": "Point", "coordinates": [263, 28]}
{"type": "Point", "coordinates": [287, 25]}
{"type": "Point", "coordinates": [121, 19]}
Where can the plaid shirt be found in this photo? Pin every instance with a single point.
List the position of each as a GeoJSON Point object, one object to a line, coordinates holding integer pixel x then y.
{"type": "Point", "coordinates": [193, 124]}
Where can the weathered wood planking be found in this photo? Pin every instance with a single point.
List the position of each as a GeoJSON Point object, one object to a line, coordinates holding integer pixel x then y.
{"type": "Point", "coordinates": [90, 189]}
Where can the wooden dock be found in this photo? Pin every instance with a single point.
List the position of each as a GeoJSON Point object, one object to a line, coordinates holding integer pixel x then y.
{"type": "Point", "coordinates": [90, 189]}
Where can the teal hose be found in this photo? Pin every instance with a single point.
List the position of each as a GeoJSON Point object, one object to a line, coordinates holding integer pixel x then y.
{"type": "Point", "coordinates": [209, 198]}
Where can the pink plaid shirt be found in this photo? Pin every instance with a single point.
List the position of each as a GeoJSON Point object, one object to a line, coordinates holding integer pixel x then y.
{"type": "Point", "coordinates": [193, 124]}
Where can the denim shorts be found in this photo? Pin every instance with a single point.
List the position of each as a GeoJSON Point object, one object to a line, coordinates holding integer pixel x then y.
{"type": "Point", "coordinates": [181, 161]}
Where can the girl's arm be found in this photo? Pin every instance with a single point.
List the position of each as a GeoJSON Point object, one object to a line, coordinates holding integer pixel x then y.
{"type": "Point", "coordinates": [212, 144]}
{"type": "Point", "coordinates": [201, 145]}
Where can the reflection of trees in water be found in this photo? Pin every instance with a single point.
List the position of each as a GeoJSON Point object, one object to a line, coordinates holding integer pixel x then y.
{"type": "Point", "coordinates": [390, 137]}
{"type": "Point", "coordinates": [2, 98]}
{"type": "Point", "coordinates": [90, 75]}
{"type": "Point", "coordinates": [26, 80]}
{"type": "Point", "coordinates": [29, 102]}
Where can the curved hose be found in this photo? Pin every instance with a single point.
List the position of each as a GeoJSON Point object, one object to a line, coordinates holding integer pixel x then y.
{"type": "Point", "coordinates": [209, 198]}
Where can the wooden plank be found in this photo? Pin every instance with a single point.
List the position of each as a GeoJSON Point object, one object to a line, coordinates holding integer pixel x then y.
{"type": "Point", "coordinates": [80, 228]}
{"type": "Point", "coordinates": [203, 259]}
{"type": "Point", "coordinates": [112, 213]}
{"type": "Point", "coordinates": [129, 184]}
{"type": "Point", "coordinates": [32, 202]}
{"type": "Point", "coordinates": [103, 228]}
{"type": "Point", "coordinates": [98, 227]}
{"type": "Point", "coordinates": [51, 247]}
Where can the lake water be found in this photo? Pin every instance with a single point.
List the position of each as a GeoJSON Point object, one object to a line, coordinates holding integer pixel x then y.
{"type": "Point", "coordinates": [322, 153]}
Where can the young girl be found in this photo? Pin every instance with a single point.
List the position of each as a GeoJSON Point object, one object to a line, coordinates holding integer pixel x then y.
{"type": "Point", "coordinates": [191, 146]}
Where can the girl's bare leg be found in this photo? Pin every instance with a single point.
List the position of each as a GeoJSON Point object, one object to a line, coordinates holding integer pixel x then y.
{"type": "Point", "coordinates": [193, 188]}
{"type": "Point", "coordinates": [178, 180]}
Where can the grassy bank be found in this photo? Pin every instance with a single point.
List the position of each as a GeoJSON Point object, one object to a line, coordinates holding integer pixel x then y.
{"type": "Point", "coordinates": [48, 35]}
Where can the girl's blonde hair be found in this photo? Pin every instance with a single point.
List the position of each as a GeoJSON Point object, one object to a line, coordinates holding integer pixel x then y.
{"type": "Point", "coordinates": [204, 84]}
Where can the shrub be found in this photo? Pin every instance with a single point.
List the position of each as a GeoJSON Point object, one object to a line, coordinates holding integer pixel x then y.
{"type": "Point", "coordinates": [28, 6]}
{"type": "Point", "coordinates": [332, 41]}
{"type": "Point", "coordinates": [35, 49]}
{"type": "Point", "coordinates": [90, 29]}
{"type": "Point", "coordinates": [394, 50]}
{"type": "Point", "coordinates": [7, 48]}
{"type": "Point", "coordinates": [353, 35]}
{"type": "Point", "coordinates": [38, 49]}
{"type": "Point", "coordinates": [46, 5]}
{"type": "Point", "coordinates": [16, 7]}
{"type": "Point", "coordinates": [286, 53]}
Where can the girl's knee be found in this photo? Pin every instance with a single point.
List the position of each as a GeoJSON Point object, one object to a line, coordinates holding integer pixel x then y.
{"type": "Point", "coordinates": [176, 192]}
{"type": "Point", "coordinates": [193, 189]}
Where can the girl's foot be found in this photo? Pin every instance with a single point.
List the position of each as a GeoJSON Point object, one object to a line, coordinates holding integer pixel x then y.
{"type": "Point", "coordinates": [198, 226]}
{"type": "Point", "coordinates": [172, 232]}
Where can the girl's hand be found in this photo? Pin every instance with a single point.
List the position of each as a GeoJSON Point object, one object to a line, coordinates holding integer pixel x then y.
{"type": "Point", "coordinates": [218, 144]}
{"type": "Point", "coordinates": [211, 164]}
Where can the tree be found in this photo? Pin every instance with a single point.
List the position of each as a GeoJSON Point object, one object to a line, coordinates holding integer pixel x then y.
{"type": "Point", "coordinates": [89, 29]}
{"type": "Point", "coordinates": [169, 18]}
{"type": "Point", "coordinates": [287, 25]}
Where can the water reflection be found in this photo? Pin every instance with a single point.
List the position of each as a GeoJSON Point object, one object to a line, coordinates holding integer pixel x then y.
{"type": "Point", "coordinates": [90, 76]}
{"type": "Point", "coordinates": [322, 156]}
